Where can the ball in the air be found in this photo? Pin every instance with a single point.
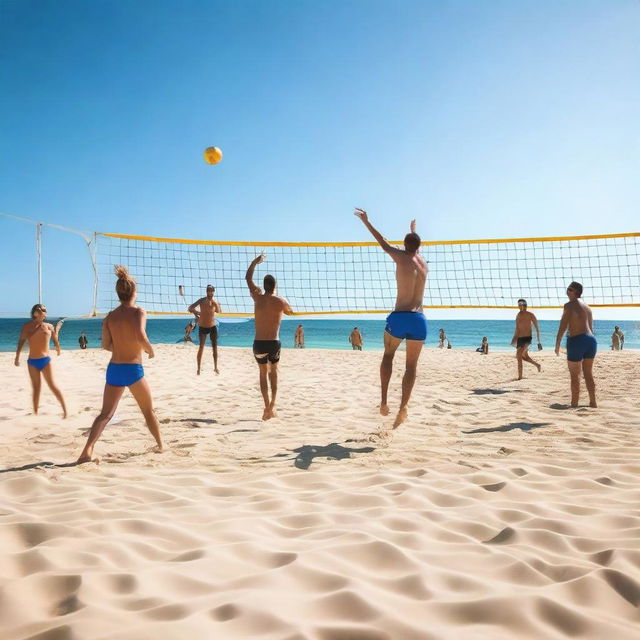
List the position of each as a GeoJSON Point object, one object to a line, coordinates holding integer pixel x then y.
{"type": "Point", "coordinates": [212, 155]}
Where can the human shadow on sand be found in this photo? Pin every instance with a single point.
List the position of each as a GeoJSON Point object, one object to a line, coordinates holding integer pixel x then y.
{"type": "Point", "coordinates": [308, 452]}
{"type": "Point", "coordinates": [40, 465]}
{"type": "Point", "coordinates": [524, 426]}
{"type": "Point", "coordinates": [193, 422]}
{"type": "Point", "coordinates": [494, 392]}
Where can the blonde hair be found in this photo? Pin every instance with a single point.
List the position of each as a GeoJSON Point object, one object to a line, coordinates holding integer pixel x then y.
{"type": "Point", "coordinates": [126, 285]}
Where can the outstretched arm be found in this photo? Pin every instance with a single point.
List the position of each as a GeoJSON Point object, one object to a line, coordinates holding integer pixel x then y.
{"type": "Point", "coordinates": [535, 324]}
{"type": "Point", "coordinates": [253, 288]}
{"type": "Point", "coordinates": [56, 341]}
{"type": "Point", "coordinates": [564, 323]}
{"type": "Point", "coordinates": [107, 341]}
{"type": "Point", "coordinates": [21, 340]}
{"type": "Point", "coordinates": [362, 214]}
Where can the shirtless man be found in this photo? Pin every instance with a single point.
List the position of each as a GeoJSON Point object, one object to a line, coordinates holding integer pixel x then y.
{"type": "Point", "coordinates": [266, 347]}
{"type": "Point", "coordinates": [355, 338]}
{"type": "Point", "coordinates": [206, 317]}
{"type": "Point", "coordinates": [617, 339]}
{"type": "Point", "coordinates": [522, 336]}
{"type": "Point", "coordinates": [298, 338]}
{"type": "Point", "coordinates": [407, 320]}
{"type": "Point", "coordinates": [39, 333]}
{"type": "Point", "coordinates": [124, 334]}
{"type": "Point", "coordinates": [581, 343]}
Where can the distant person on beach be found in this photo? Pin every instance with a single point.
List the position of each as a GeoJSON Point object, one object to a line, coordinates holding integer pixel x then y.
{"type": "Point", "coordinates": [205, 310]}
{"type": "Point", "coordinates": [581, 343]}
{"type": "Point", "coordinates": [484, 347]}
{"type": "Point", "coordinates": [39, 333]}
{"type": "Point", "coordinates": [617, 339]}
{"type": "Point", "coordinates": [124, 334]}
{"type": "Point", "coordinates": [187, 332]}
{"type": "Point", "coordinates": [442, 337]}
{"type": "Point", "coordinates": [268, 312]}
{"type": "Point", "coordinates": [407, 320]}
{"type": "Point", "coordinates": [522, 336]}
{"type": "Point", "coordinates": [82, 340]}
{"type": "Point", "coordinates": [298, 338]}
{"type": "Point", "coordinates": [355, 338]}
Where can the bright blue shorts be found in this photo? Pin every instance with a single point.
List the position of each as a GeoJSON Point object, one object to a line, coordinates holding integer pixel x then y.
{"type": "Point", "coordinates": [411, 325]}
{"type": "Point", "coordinates": [124, 375]}
{"type": "Point", "coordinates": [580, 347]}
{"type": "Point", "coordinates": [39, 363]}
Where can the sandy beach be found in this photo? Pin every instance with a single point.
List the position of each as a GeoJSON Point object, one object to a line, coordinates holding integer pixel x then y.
{"type": "Point", "coordinates": [495, 512]}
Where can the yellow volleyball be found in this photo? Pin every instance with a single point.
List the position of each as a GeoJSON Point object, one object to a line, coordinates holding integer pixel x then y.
{"type": "Point", "coordinates": [212, 155]}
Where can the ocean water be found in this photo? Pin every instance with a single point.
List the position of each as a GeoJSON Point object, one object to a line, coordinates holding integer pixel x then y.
{"type": "Point", "coordinates": [328, 334]}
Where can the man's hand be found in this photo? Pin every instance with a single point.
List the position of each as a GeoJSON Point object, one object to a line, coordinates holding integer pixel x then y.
{"type": "Point", "coordinates": [557, 350]}
{"type": "Point", "coordinates": [513, 342]}
{"type": "Point", "coordinates": [259, 259]}
{"type": "Point", "coordinates": [412, 226]}
{"type": "Point", "coordinates": [152, 353]}
{"type": "Point", "coordinates": [58, 350]}
{"type": "Point", "coordinates": [17, 361]}
{"type": "Point", "coordinates": [362, 214]}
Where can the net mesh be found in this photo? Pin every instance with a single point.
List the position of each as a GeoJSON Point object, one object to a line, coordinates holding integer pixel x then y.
{"type": "Point", "coordinates": [360, 277]}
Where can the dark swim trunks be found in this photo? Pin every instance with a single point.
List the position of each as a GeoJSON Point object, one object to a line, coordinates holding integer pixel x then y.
{"type": "Point", "coordinates": [205, 331]}
{"type": "Point", "coordinates": [524, 341]}
{"type": "Point", "coordinates": [411, 325]}
{"type": "Point", "coordinates": [581, 347]}
{"type": "Point", "coordinates": [124, 374]}
{"type": "Point", "coordinates": [266, 350]}
{"type": "Point", "coordinates": [39, 363]}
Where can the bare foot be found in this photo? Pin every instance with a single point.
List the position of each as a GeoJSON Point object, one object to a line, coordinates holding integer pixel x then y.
{"type": "Point", "coordinates": [198, 372]}
{"type": "Point", "coordinates": [159, 448]}
{"type": "Point", "coordinates": [384, 410]}
{"type": "Point", "coordinates": [266, 414]}
{"type": "Point", "coordinates": [87, 458]}
{"type": "Point", "coordinates": [574, 406]}
{"type": "Point", "coordinates": [520, 378]}
{"type": "Point", "coordinates": [64, 415]}
{"type": "Point", "coordinates": [274, 413]}
{"type": "Point", "coordinates": [217, 371]}
{"type": "Point", "coordinates": [593, 405]}
{"type": "Point", "coordinates": [400, 418]}
{"type": "Point", "coordinates": [539, 367]}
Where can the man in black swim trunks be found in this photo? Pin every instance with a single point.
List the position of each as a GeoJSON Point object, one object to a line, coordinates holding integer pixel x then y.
{"type": "Point", "coordinates": [266, 346]}
{"type": "Point", "coordinates": [522, 336]}
{"type": "Point", "coordinates": [205, 311]}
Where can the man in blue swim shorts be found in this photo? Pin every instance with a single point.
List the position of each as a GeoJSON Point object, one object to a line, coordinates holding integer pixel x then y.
{"type": "Point", "coordinates": [581, 343]}
{"type": "Point", "coordinates": [406, 321]}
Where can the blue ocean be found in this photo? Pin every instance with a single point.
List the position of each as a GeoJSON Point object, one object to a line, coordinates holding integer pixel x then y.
{"type": "Point", "coordinates": [327, 334]}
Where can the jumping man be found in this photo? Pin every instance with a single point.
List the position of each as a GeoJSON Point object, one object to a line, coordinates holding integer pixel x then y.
{"type": "Point", "coordinates": [522, 336]}
{"type": "Point", "coordinates": [266, 347]}
{"type": "Point", "coordinates": [407, 320]}
{"type": "Point", "coordinates": [206, 318]}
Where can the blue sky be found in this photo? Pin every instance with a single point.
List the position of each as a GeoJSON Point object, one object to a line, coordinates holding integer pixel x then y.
{"type": "Point", "coordinates": [480, 119]}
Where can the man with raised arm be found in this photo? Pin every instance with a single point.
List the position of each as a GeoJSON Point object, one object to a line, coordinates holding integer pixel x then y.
{"type": "Point", "coordinates": [581, 343]}
{"type": "Point", "coordinates": [266, 347]}
{"type": "Point", "coordinates": [205, 311]}
{"type": "Point", "coordinates": [522, 337]}
{"type": "Point", "coordinates": [407, 320]}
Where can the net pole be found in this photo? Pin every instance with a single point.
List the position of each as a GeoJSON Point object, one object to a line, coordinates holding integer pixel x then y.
{"type": "Point", "coordinates": [92, 254]}
{"type": "Point", "coordinates": [39, 257]}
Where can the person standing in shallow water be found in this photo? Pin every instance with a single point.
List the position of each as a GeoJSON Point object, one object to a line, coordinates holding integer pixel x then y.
{"type": "Point", "coordinates": [407, 320]}
{"type": "Point", "coordinates": [39, 333]}
{"type": "Point", "coordinates": [124, 334]}
{"type": "Point", "coordinates": [268, 312]}
{"type": "Point", "coordinates": [581, 343]}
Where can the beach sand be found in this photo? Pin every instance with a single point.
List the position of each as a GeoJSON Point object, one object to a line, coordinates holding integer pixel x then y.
{"type": "Point", "coordinates": [494, 513]}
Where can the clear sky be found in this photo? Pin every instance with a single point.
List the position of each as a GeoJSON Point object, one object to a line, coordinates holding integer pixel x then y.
{"type": "Point", "coordinates": [479, 118]}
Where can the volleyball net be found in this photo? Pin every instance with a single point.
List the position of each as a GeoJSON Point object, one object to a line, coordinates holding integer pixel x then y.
{"type": "Point", "coordinates": [358, 277]}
